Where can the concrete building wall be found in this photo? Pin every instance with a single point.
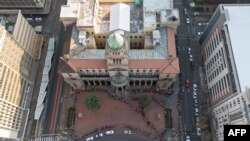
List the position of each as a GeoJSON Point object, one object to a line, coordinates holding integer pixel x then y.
{"type": "Point", "coordinates": [27, 37]}
{"type": "Point", "coordinates": [233, 110]}
{"type": "Point", "coordinates": [229, 102]}
{"type": "Point", "coordinates": [15, 70]}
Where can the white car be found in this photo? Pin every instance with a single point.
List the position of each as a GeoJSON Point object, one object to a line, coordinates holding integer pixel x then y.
{"type": "Point", "coordinates": [200, 24]}
{"type": "Point", "coordinates": [187, 20]}
{"type": "Point", "coordinates": [194, 87]}
{"type": "Point", "coordinates": [190, 57]}
{"type": "Point", "coordinates": [29, 19]}
{"type": "Point", "coordinates": [38, 19]}
{"type": "Point", "coordinates": [187, 138]}
{"type": "Point", "coordinates": [194, 94]}
{"type": "Point", "coordinates": [196, 112]}
{"type": "Point", "coordinates": [127, 131]}
{"type": "Point", "coordinates": [185, 11]}
{"type": "Point", "coordinates": [199, 33]}
{"type": "Point", "coordinates": [198, 131]}
{"type": "Point", "coordinates": [196, 14]}
{"type": "Point", "coordinates": [195, 101]}
{"type": "Point", "coordinates": [110, 132]}
{"type": "Point", "coordinates": [89, 138]}
{"type": "Point", "coordinates": [99, 135]}
{"type": "Point", "coordinates": [189, 50]}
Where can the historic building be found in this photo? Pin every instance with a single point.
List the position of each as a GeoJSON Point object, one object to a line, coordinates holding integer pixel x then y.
{"type": "Point", "coordinates": [120, 46]}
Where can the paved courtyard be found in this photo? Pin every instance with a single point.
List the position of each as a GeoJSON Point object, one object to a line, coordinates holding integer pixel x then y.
{"type": "Point", "coordinates": [116, 114]}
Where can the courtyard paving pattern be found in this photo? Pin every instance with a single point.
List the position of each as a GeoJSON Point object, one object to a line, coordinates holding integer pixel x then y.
{"type": "Point", "coordinates": [117, 114]}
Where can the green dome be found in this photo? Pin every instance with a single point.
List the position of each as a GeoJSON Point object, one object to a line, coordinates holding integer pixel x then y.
{"type": "Point", "coordinates": [115, 41]}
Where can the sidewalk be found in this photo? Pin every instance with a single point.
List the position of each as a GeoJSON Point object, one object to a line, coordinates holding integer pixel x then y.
{"type": "Point", "coordinates": [172, 103]}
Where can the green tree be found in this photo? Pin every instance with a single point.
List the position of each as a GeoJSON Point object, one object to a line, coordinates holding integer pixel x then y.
{"type": "Point", "coordinates": [92, 102]}
{"type": "Point", "coordinates": [145, 101]}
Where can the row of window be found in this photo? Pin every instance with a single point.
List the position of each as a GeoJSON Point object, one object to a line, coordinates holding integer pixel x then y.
{"type": "Point", "coordinates": [131, 70]}
{"type": "Point", "coordinates": [231, 103]}
{"type": "Point", "coordinates": [220, 88]}
{"type": "Point", "coordinates": [212, 43]}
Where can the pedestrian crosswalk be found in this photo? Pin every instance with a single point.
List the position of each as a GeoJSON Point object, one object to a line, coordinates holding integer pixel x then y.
{"type": "Point", "coordinates": [46, 138]}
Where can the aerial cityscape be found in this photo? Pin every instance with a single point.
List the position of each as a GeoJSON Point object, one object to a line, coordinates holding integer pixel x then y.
{"type": "Point", "coordinates": [123, 70]}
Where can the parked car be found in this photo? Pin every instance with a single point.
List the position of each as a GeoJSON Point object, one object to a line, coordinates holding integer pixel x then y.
{"type": "Point", "coordinates": [187, 21]}
{"type": "Point", "coordinates": [89, 138]}
{"type": "Point", "coordinates": [29, 19]}
{"type": "Point", "coordinates": [200, 24]}
{"type": "Point", "coordinates": [198, 131]}
{"type": "Point", "coordinates": [205, 23]}
{"type": "Point", "coordinates": [187, 138]}
{"type": "Point", "coordinates": [99, 135]}
{"type": "Point", "coordinates": [194, 87]}
{"type": "Point", "coordinates": [191, 57]}
{"type": "Point", "coordinates": [196, 112]}
{"type": "Point", "coordinates": [197, 119]}
{"type": "Point", "coordinates": [196, 13]}
{"type": "Point", "coordinates": [127, 131]}
{"type": "Point", "coordinates": [185, 11]}
{"type": "Point", "coordinates": [110, 132]}
{"type": "Point", "coordinates": [189, 50]}
{"type": "Point", "coordinates": [194, 94]}
{"type": "Point", "coordinates": [195, 104]}
{"type": "Point", "coordinates": [38, 19]}
{"type": "Point", "coordinates": [199, 33]}
{"type": "Point", "coordinates": [195, 101]}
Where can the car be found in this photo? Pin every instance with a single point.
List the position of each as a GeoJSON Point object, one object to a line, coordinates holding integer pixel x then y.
{"type": "Point", "coordinates": [205, 23]}
{"type": "Point", "coordinates": [195, 101]}
{"type": "Point", "coordinates": [38, 19]}
{"type": "Point", "coordinates": [110, 132]}
{"type": "Point", "coordinates": [199, 33]}
{"type": "Point", "coordinates": [99, 135]}
{"type": "Point", "coordinates": [189, 50]}
{"type": "Point", "coordinates": [196, 112]}
{"type": "Point", "coordinates": [195, 104]}
{"type": "Point", "coordinates": [194, 87]}
{"type": "Point", "coordinates": [200, 24]}
{"type": "Point", "coordinates": [187, 83]}
{"type": "Point", "coordinates": [187, 138]}
{"type": "Point", "coordinates": [194, 94]}
{"type": "Point", "coordinates": [196, 13]}
{"type": "Point", "coordinates": [185, 11]}
{"type": "Point", "coordinates": [197, 119]}
{"type": "Point", "coordinates": [187, 21]}
{"type": "Point", "coordinates": [198, 131]}
{"type": "Point", "coordinates": [90, 138]}
{"type": "Point", "coordinates": [189, 36]}
{"type": "Point", "coordinates": [127, 131]}
{"type": "Point", "coordinates": [190, 57]}
{"type": "Point", "coordinates": [29, 19]}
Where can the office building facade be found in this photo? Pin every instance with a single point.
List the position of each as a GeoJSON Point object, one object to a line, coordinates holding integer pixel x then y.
{"type": "Point", "coordinates": [224, 51]}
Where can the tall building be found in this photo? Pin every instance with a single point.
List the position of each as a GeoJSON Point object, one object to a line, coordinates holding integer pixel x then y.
{"type": "Point", "coordinates": [121, 46]}
{"type": "Point", "coordinates": [22, 4]}
{"type": "Point", "coordinates": [17, 74]}
{"type": "Point", "coordinates": [224, 45]}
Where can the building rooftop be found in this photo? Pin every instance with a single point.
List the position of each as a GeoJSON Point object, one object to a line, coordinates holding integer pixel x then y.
{"type": "Point", "coordinates": [160, 51]}
{"type": "Point", "coordinates": [239, 31]}
{"type": "Point", "coordinates": [8, 19]}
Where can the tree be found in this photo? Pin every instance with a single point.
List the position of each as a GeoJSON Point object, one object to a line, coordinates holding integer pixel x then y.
{"type": "Point", "coordinates": [92, 102]}
{"type": "Point", "coordinates": [145, 101]}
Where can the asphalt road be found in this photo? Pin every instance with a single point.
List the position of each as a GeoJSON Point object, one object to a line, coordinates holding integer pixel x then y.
{"type": "Point", "coordinates": [188, 118]}
{"type": "Point", "coordinates": [122, 137]}
{"type": "Point", "coordinates": [55, 29]}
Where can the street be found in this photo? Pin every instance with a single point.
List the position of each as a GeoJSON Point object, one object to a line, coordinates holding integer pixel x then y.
{"type": "Point", "coordinates": [189, 69]}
